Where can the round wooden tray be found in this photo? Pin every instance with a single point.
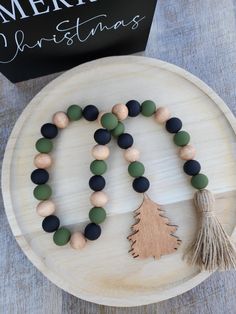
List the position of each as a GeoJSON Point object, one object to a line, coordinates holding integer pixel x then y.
{"type": "Point", "coordinates": [104, 272]}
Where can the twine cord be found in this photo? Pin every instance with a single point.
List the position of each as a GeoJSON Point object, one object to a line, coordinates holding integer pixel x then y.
{"type": "Point", "coordinates": [212, 248]}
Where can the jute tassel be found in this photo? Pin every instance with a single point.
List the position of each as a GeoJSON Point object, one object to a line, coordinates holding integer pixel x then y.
{"type": "Point", "coordinates": [212, 248]}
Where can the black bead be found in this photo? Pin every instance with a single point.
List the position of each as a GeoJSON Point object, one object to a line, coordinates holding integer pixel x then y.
{"type": "Point", "coordinates": [97, 183]}
{"type": "Point", "coordinates": [141, 184]}
{"type": "Point", "coordinates": [39, 176]}
{"type": "Point", "coordinates": [134, 108]}
{"type": "Point", "coordinates": [102, 136]}
{"type": "Point", "coordinates": [192, 167]}
{"type": "Point", "coordinates": [49, 130]}
{"type": "Point", "coordinates": [50, 223]}
{"type": "Point", "coordinates": [125, 140]}
{"type": "Point", "coordinates": [173, 125]}
{"type": "Point", "coordinates": [90, 113]}
{"type": "Point", "coordinates": [92, 231]}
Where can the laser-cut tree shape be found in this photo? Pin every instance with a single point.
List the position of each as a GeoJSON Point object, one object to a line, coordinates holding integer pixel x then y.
{"type": "Point", "coordinates": [152, 234]}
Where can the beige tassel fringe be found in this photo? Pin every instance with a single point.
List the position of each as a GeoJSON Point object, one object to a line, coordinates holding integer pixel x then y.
{"type": "Point", "coordinates": [212, 248]}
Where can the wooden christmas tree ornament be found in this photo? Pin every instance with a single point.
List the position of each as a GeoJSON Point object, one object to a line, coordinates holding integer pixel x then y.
{"type": "Point", "coordinates": [152, 235]}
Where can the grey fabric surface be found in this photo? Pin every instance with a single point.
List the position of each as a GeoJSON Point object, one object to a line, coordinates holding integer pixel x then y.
{"type": "Point", "coordinates": [198, 35]}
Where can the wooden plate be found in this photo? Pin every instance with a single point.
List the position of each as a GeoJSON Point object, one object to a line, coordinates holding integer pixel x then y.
{"type": "Point", "coordinates": [104, 272]}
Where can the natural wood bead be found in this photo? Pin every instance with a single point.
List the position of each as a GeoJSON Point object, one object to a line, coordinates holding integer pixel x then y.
{"type": "Point", "coordinates": [45, 208]}
{"type": "Point", "coordinates": [121, 111]}
{"type": "Point", "coordinates": [162, 115]}
{"type": "Point", "coordinates": [187, 152]}
{"type": "Point", "coordinates": [61, 120]}
{"type": "Point", "coordinates": [100, 152]}
{"type": "Point", "coordinates": [131, 154]}
{"type": "Point", "coordinates": [99, 199]}
{"type": "Point", "coordinates": [43, 161]}
{"type": "Point", "coordinates": [77, 241]}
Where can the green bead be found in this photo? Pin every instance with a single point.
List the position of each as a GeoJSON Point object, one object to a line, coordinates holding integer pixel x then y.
{"type": "Point", "coordinates": [181, 138]}
{"type": "Point", "coordinates": [97, 215]}
{"type": "Point", "coordinates": [74, 112]}
{"type": "Point", "coordinates": [98, 167]}
{"type": "Point", "coordinates": [148, 108]}
{"type": "Point", "coordinates": [42, 192]}
{"type": "Point", "coordinates": [118, 130]}
{"type": "Point", "coordinates": [200, 181]}
{"type": "Point", "coordinates": [44, 145]}
{"type": "Point", "coordinates": [136, 169]}
{"type": "Point", "coordinates": [61, 236]}
{"type": "Point", "coordinates": [109, 121]}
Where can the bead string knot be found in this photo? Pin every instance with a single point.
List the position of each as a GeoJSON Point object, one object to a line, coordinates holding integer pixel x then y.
{"type": "Point", "coordinates": [204, 201]}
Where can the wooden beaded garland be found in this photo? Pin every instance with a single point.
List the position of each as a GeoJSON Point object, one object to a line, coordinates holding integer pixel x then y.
{"type": "Point", "coordinates": [100, 152]}
{"type": "Point", "coordinates": [98, 167]}
{"type": "Point", "coordinates": [111, 125]}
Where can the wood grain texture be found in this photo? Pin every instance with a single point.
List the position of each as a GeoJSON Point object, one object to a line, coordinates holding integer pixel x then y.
{"type": "Point", "coordinates": [201, 38]}
{"type": "Point", "coordinates": [152, 234]}
{"type": "Point", "coordinates": [121, 281]}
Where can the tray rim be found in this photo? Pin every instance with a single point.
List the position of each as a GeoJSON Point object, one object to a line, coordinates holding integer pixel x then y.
{"type": "Point", "coordinates": [5, 179]}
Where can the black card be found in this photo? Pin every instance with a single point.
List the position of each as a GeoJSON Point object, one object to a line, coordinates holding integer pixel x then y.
{"type": "Point", "coordinates": [39, 37]}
